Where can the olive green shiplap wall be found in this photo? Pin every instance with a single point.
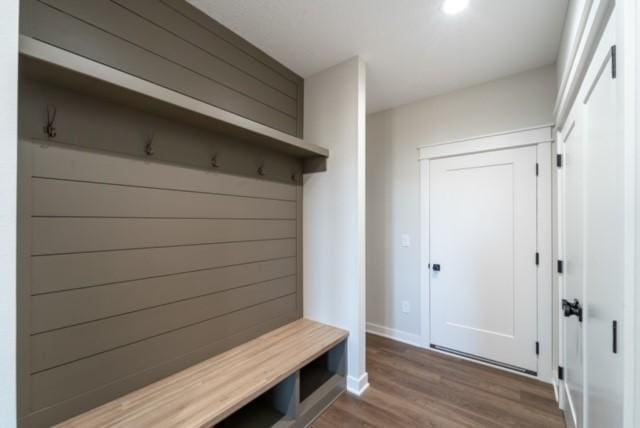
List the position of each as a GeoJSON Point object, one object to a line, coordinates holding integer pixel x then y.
{"type": "Point", "coordinates": [134, 267]}
{"type": "Point", "coordinates": [173, 44]}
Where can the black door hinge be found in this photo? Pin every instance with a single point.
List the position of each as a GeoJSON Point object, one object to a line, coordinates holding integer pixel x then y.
{"type": "Point", "coordinates": [560, 266]}
{"type": "Point", "coordinates": [537, 259]}
{"type": "Point", "coordinates": [537, 348]}
{"type": "Point", "coordinates": [614, 65]}
{"type": "Point", "coordinates": [537, 170]}
{"type": "Point", "coordinates": [560, 372]}
{"type": "Point", "coordinates": [559, 160]}
{"type": "Point", "coordinates": [615, 336]}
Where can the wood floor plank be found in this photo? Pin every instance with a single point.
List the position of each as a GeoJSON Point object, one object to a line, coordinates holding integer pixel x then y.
{"type": "Point", "coordinates": [413, 387]}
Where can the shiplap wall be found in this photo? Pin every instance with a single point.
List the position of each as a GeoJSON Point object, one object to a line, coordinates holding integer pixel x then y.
{"type": "Point", "coordinates": [135, 269]}
{"type": "Point", "coordinates": [173, 44]}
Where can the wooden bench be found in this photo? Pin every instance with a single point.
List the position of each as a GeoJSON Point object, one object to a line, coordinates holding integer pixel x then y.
{"type": "Point", "coordinates": [284, 378]}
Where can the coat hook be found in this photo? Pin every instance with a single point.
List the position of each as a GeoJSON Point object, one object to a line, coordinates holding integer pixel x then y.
{"type": "Point", "coordinates": [214, 161]}
{"type": "Point", "coordinates": [261, 169]}
{"type": "Point", "coordinates": [49, 129]}
{"type": "Point", "coordinates": [148, 148]}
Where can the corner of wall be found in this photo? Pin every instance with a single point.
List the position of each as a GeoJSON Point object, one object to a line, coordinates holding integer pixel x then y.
{"type": "Point", "coordinates": [334, 240]}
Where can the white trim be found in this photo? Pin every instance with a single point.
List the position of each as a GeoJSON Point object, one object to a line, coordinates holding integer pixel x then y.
{"type": "Point", "coordinates": [561, 138]}
{"type": "Point", "coordinates": [541, 137]}
{"type": "Point", "coordinates": [502, 140]}
{"type": "Point", "coordinates": [573, 49]}
{"type": "Point", "coordinates": [545, 268]}
{"type": "Point", "coordinates": [568, 409]}
{"type": "Point", "coordinates": [397, 335]}
{"type": "Point", "coordinates": [76, 63]}
{"type": "Point", "coordinates": [585, 47]}
{"type": "Point", "coordinates": [425, 278]}
{"type": "Point", "coordinates": [358, 386]}
{"type": "Point", "coordinates": [632, 68]}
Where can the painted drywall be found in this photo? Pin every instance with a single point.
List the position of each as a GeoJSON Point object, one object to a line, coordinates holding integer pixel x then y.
{"type": "Point", "coordinates": [8, 193]}
{"type": "Point", "coordinates": [334, 208]}
{"type": "Point", "coordinates": [393, 198]}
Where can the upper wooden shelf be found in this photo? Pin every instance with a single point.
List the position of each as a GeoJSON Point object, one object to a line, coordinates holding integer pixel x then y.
{"type": "Point", "coordinates": [49, 63]}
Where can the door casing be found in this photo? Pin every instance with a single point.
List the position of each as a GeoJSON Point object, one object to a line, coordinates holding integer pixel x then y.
{"type": "Point", "coordinates": [541, 137]}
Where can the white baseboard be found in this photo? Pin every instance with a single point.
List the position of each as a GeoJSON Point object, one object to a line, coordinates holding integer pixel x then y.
{"type": "Point", "coordinates": [398, 335]}
{"type": "Point", "coordinates": [569, 411]}
{"type": "Point", "coordinates": [358, 386]}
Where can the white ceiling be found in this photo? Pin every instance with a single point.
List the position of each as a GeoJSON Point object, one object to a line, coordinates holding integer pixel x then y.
{"type": "Point", "coordinates": [411, 48]}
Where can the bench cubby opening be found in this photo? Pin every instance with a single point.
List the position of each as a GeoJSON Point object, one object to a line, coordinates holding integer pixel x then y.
{"type": "Point", "coordinates": [321, 382]}
{"type": "Point", "coordinates": [299, 398]}
{"type": "Point", "coordinates": [261, 412]}
{"type": "Point", "coordinates": [322, 369]}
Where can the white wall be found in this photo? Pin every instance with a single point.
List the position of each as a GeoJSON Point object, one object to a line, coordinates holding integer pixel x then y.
{"type": "Point", "coordinates": [8, 169]}
{"type": "Point", "coordinates": [334, 208]}
{"type": "Point", "coordinates": [393, 199]}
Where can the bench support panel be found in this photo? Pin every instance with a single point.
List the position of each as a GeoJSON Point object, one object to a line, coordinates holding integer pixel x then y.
{"type": "Point", "coordinates": [286, 396]}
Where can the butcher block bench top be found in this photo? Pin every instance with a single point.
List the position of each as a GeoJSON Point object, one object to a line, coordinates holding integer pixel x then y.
{"type": "Point", "coordinates": [208, 392]}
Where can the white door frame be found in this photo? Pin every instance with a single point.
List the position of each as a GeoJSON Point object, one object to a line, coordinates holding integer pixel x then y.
{"type": "Point", "coordinates": [541, 137]}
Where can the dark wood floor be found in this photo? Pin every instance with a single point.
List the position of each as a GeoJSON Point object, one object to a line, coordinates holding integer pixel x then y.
{"type": "Point", "coordinates": [413, 387]}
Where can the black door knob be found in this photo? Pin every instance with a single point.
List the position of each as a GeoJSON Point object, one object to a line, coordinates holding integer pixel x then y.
{"type": "Point", "coordinates": [436, 267]}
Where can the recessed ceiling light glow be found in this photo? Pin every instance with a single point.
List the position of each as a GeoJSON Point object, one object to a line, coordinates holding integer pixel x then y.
{"type": "Point", "coordinates": [451, 7]}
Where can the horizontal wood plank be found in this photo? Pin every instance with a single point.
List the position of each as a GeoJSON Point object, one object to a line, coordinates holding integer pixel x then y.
{"type": "Point", "coordinates": [52, 311]}
{"type": "Point", "coordinates": [63, 272]}
{"type": "Point", "coordinates": [80, 199]}
{"type": "Point", "coordinates": [137, 29]}
{"type": "Point", "coordinates": [120, 300]}
{"type": "Point", "coordinates": [91, 42]}
{"type": "Point", "coordinates": [76, 164]}
{"type": "Point", "coordinates": [208, 392]}
{"type": "Point", "coordinates": [185, 28]}
{"type": "Point", "coordinates": [68, 344]}
{"type": "Point", "coordinates": [95, 372]}
{"type": "Point", "coordinates": [48, 416]}
{"type": "Point", "coordinates": [204, 20]}
{"type": "Point", "coordinates": [55, 235]}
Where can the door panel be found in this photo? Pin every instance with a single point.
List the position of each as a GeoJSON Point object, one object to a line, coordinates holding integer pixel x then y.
{"type": "Point", "coordinates": [483, 237]}
{"type": "Point", "coordinates": [595, 242]}
{"type": "Point", "coordinates": [604, 247]}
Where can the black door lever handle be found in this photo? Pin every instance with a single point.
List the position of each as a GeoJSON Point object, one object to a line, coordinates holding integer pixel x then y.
{"type": "Point", "coordinates": [436, 267]}
{"type": "Point", "coordinates": [572, 308]}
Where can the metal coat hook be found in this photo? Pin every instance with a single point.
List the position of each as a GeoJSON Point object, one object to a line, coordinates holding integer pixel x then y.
{"type": "Point", "coordinates": [49, 129]}
{"type": "Point", "coordinates": [148, 148]}
{"type": "Point", "coordinates": [214, 161]}
{"type": "Point", "coordinates": [261, 169]}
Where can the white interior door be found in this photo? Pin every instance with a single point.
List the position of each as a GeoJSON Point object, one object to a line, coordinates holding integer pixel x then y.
{"type": "Point", "coordinates": [595, 241]}
{"type": "Point", "coordinates": [604, 241]}
{"type": "Point", "coordinates": [483, 284]}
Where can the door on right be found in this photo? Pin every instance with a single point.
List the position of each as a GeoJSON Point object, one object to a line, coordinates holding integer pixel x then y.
{"type": "Point", "coordinates": [595, 240]}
